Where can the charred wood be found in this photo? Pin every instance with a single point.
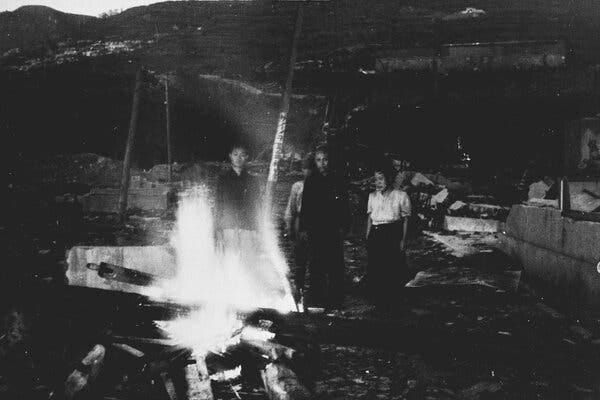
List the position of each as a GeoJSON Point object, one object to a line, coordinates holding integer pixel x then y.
{"type": "Point", "coordinates": [86, 373]}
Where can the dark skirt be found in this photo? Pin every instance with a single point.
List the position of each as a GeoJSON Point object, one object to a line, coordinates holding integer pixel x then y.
{"type": "Point", "coordinates": [387, 271]}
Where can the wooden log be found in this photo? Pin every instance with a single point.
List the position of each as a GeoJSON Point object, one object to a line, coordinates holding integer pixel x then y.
{"type": "Point", "coordinates": [132, 351]}
{"type": "Point", "coordinates": [283, 112]}
{"type": "Point", "coordinates": [281, 383]}
{"type": "Point", "coordinates": [86, 373]}
{"type": "Point", "coordinates": [198, 380]}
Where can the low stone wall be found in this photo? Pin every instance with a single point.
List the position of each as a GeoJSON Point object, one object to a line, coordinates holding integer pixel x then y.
{"type": "Point", "coordinates": [560, 252]}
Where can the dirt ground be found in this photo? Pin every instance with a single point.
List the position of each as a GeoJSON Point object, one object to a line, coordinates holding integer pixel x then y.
{"type": "Point", "coordinates": [484, 333]}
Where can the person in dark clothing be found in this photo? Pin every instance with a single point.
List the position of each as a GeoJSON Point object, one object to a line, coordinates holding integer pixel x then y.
{"type": "Point", "coordinates": [324, 219]}
{"type": "Point", "coordinates": [237, 203]}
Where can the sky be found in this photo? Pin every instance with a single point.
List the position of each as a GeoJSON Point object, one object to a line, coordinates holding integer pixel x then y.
{"type": "Point", "coordinates": [86, 7]}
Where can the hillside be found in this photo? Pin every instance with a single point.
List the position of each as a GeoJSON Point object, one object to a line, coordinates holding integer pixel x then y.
{"type": "Point", "coordinates": [240, 36]}
{"type": "Point", "coordinates": [33, 27]}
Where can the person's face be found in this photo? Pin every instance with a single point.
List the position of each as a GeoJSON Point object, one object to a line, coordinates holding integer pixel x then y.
{"type": "Point", "coordinates": [305, 172]}
{"type": "Point", "coordinates": [238, 157]}
{"type": "Point", "coordinates": [322, 162]}
{"type": "Point", "coordinates": [397, 165]}
{"type": "Point", "coordinates": [380, 183]}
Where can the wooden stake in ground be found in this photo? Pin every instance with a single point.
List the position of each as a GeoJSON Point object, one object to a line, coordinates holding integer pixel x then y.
{"type": "Point", "coordinates": [168, 118]}
{"type": "Point", "coordinates": [129, 147]}
{"type": "Point", "coordinates": [283, 113]}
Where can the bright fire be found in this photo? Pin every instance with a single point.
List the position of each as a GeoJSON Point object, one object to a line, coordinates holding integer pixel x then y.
{"type": "Point", "coordinates": [221, 281]}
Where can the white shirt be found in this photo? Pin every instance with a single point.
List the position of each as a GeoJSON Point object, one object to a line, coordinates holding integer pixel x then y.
{"type": "Point", "coordinates": [389, 206]}
{"type": "Point", "coordinates": [294, 203]}
{"type": "Point", "coordinates": [537, 190]}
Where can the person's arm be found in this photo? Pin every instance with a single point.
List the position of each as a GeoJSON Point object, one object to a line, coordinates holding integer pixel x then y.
{"type": "Point", "coordinates": [404, 233]}
{"type": "Point", "coordinates": [405, 212]}
{"type": "Point", "coordinates": [306, 208]}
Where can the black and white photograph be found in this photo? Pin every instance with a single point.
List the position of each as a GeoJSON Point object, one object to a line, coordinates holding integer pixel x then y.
{"type": "Point", "coordinates": [300, 199]}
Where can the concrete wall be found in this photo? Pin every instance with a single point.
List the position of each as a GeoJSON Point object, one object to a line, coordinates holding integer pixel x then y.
{"type": "Point", "coordinates": [558, 251]}
{"type": "Point", "coordinates": [158, 261]}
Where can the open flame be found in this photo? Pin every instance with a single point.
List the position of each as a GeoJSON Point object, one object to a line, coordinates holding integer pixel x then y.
{"type": "Point", "coordinates": [222, 281]}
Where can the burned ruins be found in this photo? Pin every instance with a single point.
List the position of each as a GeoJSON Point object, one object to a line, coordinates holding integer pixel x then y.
{"type": "Point", "coordinates": [292, 199]}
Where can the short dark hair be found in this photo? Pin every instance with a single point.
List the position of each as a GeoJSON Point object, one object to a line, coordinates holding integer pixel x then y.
{"type": "Point", "coordinates": [386, 168]}
{"type": "Point", "coordinates": [238, 145]}
{"type": "Point", "coordinates": [322, 149]}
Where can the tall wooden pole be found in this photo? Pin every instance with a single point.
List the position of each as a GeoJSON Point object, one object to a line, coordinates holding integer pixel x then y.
{"type": "Point", "coordinates": [168, 117]}
{"type": "Point", "coordinates": [285, 108]}
{"type": "Point", "coordinates": [129, 147]}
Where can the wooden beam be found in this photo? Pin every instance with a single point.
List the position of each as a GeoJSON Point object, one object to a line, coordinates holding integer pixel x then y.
{"type": "Point", "coordinates": [168, 122]}
{"type": "Point", "coordinates": [283, 113]}
{"type": "Point", "coordinates": [125, 178]}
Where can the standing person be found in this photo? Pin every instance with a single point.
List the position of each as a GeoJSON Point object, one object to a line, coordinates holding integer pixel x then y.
{"type": "Point", "coordinates": [292, 226]}
{"type": "Point", "coordinates": [388, 211]}
{"type": "Point", "coordinates": [237, 204]}
{"type": "Point", "coordinates": [402, 175]}
{"type": "Point", "coordinates": [324, 219]}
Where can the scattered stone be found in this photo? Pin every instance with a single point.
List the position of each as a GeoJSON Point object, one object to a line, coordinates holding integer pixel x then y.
{"type": "Point", "coordinates": [477, 390]}
{"type": "Point", "coordinates": [549, 310]}
{"type": "Point", "coordinates": [457, 205]}
{"type": "Point", "coordinates": [440, 197]}
{"type": "Point", "coordinates": [420, 179]}
{"type": "Point", "coordinates": [465, 224]}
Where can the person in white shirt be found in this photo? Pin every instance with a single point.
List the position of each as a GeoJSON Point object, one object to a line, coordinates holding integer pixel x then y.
{"type": "Point", "coordinates": [292, 219]}
{"type": "Point", "coordinates": [388, 211]}
{"type": "Point", "coordinates": [540, 189]}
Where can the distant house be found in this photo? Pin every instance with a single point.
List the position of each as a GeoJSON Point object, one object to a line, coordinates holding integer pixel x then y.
{"type": "Point", "coordinates": [503, 55]}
